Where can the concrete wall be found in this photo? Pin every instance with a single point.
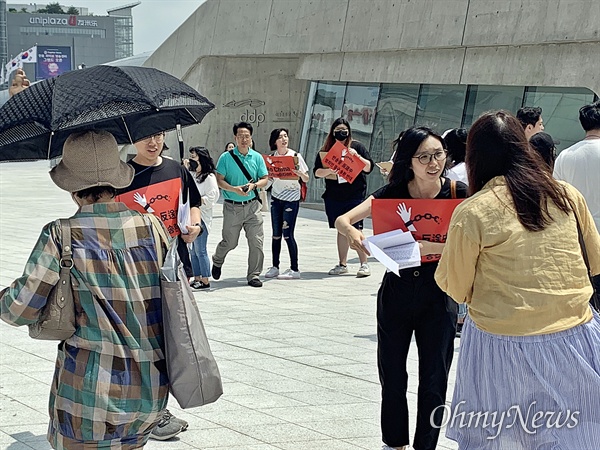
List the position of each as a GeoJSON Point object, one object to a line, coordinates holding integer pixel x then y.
{"type": "Point", "coordinates": [494, 42]}
{"type": "Point", "coordinates": [261, 91]}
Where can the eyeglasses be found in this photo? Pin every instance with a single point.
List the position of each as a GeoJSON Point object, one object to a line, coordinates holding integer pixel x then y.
{"type": "Point", "coordinates": [244, 136]}
{"type": "Point", "coordinates": [157, 137]}
{"type": "Point", "coordinates": [426, 158]}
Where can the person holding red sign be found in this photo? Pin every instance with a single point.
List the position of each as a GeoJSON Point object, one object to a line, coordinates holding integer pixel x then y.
{"type": "Point", "coordinates": [341, 196]}
{"type": "Point", "coordinates": [412, 303]}
{"type": "Point", "coordinates": [285, 204]}
{"type": "Point", "coordinates": [531, 341]}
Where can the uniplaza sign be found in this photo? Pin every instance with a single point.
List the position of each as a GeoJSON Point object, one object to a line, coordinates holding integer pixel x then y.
{"type": "Point", "coordinates": [72, 21]}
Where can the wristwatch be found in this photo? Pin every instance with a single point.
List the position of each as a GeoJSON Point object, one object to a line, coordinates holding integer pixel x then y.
{"type": "Point", "coordinates": [198, 224]}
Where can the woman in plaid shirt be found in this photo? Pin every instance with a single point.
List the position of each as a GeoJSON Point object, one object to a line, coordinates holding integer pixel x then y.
{"type": "Point", "coordinates": [110, 384]}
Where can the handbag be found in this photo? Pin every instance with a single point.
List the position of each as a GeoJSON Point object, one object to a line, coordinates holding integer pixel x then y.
{"type": "Point", "coordinates": [194, 378]}
{"type": "Point", "coordinates": [57, 318]}
{"type": "Point", "coordinates": [303, 190]}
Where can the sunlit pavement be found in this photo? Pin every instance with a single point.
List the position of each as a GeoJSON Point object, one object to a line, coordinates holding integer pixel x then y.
{"type": "Point", "coordinates": [297, 357]}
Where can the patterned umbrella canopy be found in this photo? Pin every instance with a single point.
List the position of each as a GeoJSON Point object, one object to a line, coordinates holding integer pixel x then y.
{"type": "Point", "coordinates": [132, 103]}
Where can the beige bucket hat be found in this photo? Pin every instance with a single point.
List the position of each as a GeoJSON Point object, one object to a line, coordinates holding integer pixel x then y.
{"type": "Point", "coordinates": [91, 158]}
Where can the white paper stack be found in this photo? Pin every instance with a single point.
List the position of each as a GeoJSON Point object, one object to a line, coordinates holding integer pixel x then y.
{"type": "Point", "coordinates": [395, 249]}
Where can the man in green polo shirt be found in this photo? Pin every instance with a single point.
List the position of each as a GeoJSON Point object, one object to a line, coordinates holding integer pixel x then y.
{"type": "Point", "coordinates": [241, 208]}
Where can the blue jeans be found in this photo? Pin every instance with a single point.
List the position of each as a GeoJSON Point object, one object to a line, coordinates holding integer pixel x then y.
{"type": "Point", "coordinates": [283, 221]}
{"type": "Point", "coordinates": [199, 255]}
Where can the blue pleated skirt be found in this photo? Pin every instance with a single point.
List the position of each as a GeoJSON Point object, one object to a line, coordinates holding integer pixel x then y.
{"type": "Point", "coordinates": [527, 392]}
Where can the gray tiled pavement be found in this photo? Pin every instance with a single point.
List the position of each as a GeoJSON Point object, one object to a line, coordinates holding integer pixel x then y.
{"type": "Point", "coordinates": [298, 358]}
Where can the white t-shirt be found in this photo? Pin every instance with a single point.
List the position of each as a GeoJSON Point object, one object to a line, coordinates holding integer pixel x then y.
{"type": "Point", "coordinates": [209, 191]}
{"type": "Point", "coordinates": [579, 165]}
{"type": "Point", "coordinates": [458, 173]}
{"type": "Point", "coordinates": [288, 190]}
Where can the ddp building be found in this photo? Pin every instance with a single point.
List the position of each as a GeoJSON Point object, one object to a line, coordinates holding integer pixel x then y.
{"type": "Point", "coordinates": [384, 65]}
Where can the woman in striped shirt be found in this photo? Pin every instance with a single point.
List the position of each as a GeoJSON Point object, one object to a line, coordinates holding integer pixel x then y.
{"type": "Point", "coordinates": [285, 204]}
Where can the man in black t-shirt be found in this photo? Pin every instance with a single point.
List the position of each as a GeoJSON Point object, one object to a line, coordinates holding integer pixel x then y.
{"type": "Point", "coordinates": [155, 189]}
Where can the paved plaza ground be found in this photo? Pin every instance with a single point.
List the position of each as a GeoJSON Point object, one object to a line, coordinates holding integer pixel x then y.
{"type": "Point", "coordinates": [298, 358]}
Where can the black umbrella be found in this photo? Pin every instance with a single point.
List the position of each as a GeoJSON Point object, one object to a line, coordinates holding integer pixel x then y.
{"type": "Point", "coordinates": [132, 103]}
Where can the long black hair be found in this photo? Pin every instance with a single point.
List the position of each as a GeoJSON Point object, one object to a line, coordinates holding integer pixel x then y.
{"type": "Point", "coordinates": [406, 146]}
{"type": "Point", "coordinates": [497, 146]}
{"type": "Point", "coordinates": [207, 165]}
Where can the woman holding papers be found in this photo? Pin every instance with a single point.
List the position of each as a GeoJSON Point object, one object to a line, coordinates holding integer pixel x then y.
{"type": "Point", "coordinates": [285, 204]}
{"type": "Point", "coordinates": [412, 303]}
{"type": "Point", "coordinates": [531, 343]}
{"type": "Point", "coordinates": [340, 196]}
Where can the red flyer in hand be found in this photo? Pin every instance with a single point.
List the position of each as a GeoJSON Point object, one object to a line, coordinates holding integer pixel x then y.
{"type": "Point", "coordinates": [347, 166]}
{"type": "Point", "coordinates": [426, 219]}
{"type": "Point", "coordinates": [281, 167]}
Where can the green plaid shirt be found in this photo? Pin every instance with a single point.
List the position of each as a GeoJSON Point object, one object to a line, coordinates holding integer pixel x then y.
{"type": "Point", "coordinates": [110, 382]}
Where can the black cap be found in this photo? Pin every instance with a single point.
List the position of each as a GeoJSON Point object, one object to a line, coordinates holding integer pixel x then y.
{"type": "Point", "coordinates": [543, 140]}
{"type": "Point", "coordinates": [544, 144]}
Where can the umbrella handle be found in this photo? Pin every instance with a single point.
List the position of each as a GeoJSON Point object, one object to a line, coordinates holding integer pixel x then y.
{"type": "Point", "coordinates": [180, 139]}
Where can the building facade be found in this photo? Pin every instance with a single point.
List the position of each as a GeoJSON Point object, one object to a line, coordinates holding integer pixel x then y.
{"type": "Point", "coordinates": [65, 41]}
{"type": "Point", "coordinates": [383, 65]}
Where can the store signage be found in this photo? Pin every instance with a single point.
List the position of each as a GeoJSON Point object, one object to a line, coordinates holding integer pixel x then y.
{"type": "Point", "coordinates": [52, 61]}
{"type": "Point", "coordinates": [72, 21]}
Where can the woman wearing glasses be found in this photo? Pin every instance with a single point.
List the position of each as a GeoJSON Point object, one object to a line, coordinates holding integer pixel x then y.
{"type": "Point", "coordinates": [412, 303]}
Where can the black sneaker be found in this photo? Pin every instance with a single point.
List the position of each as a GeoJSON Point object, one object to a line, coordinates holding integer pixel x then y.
{"type": "Point", "coordinates": [255, 282]}
{"type": "Point", "coordinates": [216, 272]}
{"type": "Point", "coordinates": [197, 285]}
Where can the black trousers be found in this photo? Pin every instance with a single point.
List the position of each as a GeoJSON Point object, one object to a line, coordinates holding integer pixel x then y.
{"type": "Point", "coordinates": [413, 303]}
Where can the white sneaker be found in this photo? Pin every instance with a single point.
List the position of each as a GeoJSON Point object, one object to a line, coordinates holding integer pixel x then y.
{"type": "Point", "coordinates": [364, 271]}
{"type": "Point", "coordinates": [272, 272]}
{"type": "Point", "coordinates": [289, 274]}
{"type": "Point", "coordinates": [338, 270]}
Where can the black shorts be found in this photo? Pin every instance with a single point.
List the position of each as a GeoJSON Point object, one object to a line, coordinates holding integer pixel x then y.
{"type": "Point", "coordinates": [335, 208]}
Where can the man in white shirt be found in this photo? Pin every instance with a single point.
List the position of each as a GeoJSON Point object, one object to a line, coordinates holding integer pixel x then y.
{"type": "Point", "coordinates": [579, 164]}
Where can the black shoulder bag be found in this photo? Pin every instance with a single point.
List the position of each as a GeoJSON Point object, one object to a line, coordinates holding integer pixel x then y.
{"type": "Point", "coordinates": [246, 174]}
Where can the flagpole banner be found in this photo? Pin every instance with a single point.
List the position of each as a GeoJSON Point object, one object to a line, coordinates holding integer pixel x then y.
{"type": "Point", "coordinates": [29, 56]}
{"type": "Point", "coordinates": [348, 166]}
{"type": "Point", "coordinates": [426, 219]}
{"type": "Point", "coordinates": [13, 65]}
{"type": "Point", "coordinates": [281, 166]}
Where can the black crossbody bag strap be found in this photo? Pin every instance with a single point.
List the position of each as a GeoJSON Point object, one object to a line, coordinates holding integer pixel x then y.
{"type": "Point", "coordinates": [594, 301]}
{"type": "Point", "coordinates": [245, 172]}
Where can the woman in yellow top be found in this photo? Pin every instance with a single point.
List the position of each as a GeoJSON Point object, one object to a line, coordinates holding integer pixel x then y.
{"type": "Point", "coordinates": [528, 374]}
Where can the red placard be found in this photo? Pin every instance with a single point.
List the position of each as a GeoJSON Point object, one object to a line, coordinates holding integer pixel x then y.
{"type": "Point", "coordinates": [281, 167]}
{"type": "Point", "coordinates": [429, 217]}
{"type": "Point", "coordinates": [347, 166]}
